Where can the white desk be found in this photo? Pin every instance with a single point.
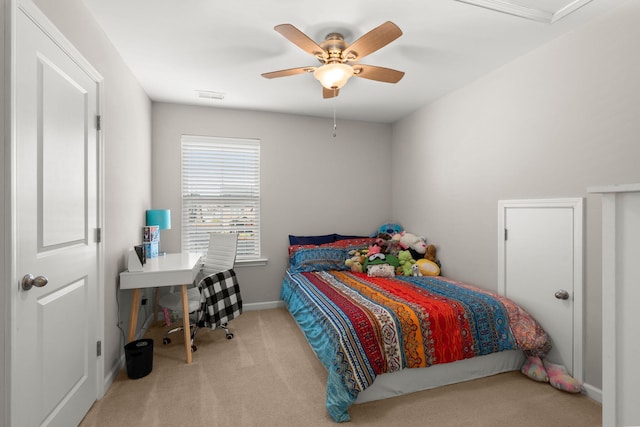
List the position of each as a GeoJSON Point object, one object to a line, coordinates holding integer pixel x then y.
{"type": "Point", "coordinates": [165, 270]}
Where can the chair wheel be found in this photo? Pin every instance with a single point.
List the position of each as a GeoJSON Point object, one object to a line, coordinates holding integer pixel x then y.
{"type": "Point", "coordinates": [166, 340]}
{"type": "Point", "coordinates": [193, 347]}
{"type": "Point", "coordinates": [229, 335]}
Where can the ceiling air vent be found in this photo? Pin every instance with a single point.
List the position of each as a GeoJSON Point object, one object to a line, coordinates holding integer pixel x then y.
{"type": "Point", "coordinates": [207, 94]}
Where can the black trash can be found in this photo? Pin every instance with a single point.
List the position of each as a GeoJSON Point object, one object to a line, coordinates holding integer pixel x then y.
{"type": "Point", "coordinates": [139, 356]}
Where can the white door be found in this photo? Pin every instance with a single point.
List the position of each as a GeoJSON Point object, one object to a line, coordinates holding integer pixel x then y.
{"type": "Point", "coordinates": [54, 333]}
{"type": "Point", "coordinates": [540, 262]}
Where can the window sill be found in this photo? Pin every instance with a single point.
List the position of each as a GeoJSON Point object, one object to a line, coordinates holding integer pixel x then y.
{"type": "Point", "coordinates": [252, 262]}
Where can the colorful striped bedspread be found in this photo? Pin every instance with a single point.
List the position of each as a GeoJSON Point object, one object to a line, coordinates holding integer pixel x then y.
{"type": "Point", "coordinates": [361, 326]}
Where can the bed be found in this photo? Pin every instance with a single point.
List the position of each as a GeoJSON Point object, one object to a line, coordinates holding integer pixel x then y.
{"type": "Point", "coordinates": [375, 335]}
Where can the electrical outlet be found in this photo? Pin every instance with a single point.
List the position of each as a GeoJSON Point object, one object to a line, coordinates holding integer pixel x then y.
{"type": "Point", "coordinates": [143, 301]}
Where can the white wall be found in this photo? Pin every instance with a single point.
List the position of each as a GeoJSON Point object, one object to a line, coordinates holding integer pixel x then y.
{"type": "Point", "coordinates": [550, 124]}
{"type": "Point", "coordinates": [126, 136]}
{"type": "Point", "coordinates": [4, 274]}
{"type": "Point", "coordinates": [311, 183]}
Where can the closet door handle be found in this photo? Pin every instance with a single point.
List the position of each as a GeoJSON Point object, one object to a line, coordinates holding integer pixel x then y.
{"type": "Point", "coordinates": [562, 294]}
{"type": "Point", "coordinates": [28, 281]}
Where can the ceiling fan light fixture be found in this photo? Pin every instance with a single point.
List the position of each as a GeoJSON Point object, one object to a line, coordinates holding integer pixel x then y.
{"type": "Point", "coordinates": [333, 76]}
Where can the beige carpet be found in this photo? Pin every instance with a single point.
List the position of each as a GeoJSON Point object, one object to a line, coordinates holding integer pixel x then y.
{"type": "Point", "coordinates": [269, 376]}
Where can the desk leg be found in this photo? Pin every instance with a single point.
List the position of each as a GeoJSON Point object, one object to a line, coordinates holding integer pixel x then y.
{"type": "Point", "coordinates": [186, 322]}
{"type": "Point", "coordinates": [135, 304]}
{"type": "Point", "coordinates": [155, 307]}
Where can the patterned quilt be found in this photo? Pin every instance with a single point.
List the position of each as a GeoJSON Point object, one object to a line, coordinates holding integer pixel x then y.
{"type": "Point", "coordinates": [361, 326]}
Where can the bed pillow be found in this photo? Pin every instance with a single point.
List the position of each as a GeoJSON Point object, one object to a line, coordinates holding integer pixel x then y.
{"type": "Point", "coordinates": [343, 237]}
{"type": "Point", "coordinates": [311, 240]}
{"type": "Point", "coordinates": [317, 258]}
{"type": "Point", "coordinates": [328, 256]}
{"type": "Point", "coordinates": [354, 242]}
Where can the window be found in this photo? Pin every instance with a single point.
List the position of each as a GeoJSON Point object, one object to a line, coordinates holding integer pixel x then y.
{"type": "Point", "coordinates": [221, 192]}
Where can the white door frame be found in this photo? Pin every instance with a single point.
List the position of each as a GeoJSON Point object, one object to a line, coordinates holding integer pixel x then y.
{"type": "Point", "coordinates": [578, 285]}
{"type": "Point", "coordinates": [11, 287]}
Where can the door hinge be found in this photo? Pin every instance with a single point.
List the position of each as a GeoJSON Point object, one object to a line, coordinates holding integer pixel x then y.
{"type": "Point", "coordinates": [99, 348]}
{"type": "Point", "coordinates": [505, 234]}
{"type": "Point", "coordinates": [99, 122]}
{"type": "Point", "coordinates": [98, 235]}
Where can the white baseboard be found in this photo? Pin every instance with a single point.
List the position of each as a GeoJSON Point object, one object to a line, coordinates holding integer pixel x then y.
{"type": "Point", "coordinates": [593, 392]}
{"type": "Point", "coordinates": [112, 374]}
{"type": "Point", "coordinates": [263, 305]}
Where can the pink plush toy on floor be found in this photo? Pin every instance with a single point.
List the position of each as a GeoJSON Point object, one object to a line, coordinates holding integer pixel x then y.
{"type": "Point", "coordinates": [557, 375]}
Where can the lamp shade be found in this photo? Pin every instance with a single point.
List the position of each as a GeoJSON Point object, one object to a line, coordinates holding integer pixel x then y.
{"type": "Point", "coordinates": [159, 217]}
{"type": "Point", "coordinates": [333, 76]}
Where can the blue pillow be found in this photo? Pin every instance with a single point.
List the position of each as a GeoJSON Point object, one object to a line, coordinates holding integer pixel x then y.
{"type": "Point", "coordinates": [311, 240]}
{"type": "Point", "coordinates": [343, 237]}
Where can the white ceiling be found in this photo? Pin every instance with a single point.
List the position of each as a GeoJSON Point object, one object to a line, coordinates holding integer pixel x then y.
{"type": "Point", "coordinates": [179, 47]}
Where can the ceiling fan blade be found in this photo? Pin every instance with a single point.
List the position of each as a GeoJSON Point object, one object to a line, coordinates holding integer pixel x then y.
{"type": "Point", "coordinates": [372, 41]}
{"type": "Point", "coordinates": [301, 40]}
{"type": "Point", "coordinates": [330, 93]}
{"type": "Point", "coordinates": [288, 72]}
{"type": "Point", "coordinates": [380, 74]}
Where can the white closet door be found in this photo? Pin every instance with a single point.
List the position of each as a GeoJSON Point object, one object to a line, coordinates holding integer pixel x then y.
{"type": "Point", "coordinates": [540, 261]}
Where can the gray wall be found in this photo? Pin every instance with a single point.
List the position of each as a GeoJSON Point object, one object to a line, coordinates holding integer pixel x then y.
{"type": "Point", "coordinates": [311, 183]}
{"type": "Point", "coordinates": [126, 140]}
{"type": "Point", "coordinates": [550, 124]}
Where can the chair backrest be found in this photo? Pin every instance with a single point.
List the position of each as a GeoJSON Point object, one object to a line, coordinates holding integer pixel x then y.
{"type": "Point", "coordinates": [221, 255]}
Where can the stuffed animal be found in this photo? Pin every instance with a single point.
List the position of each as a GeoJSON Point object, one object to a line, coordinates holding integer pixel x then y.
{"type": "Point", "coordinates": [415, 268]}
{"type": "Point", "coordinates": [354, 264]}
{"type": "Point", "coordinates": [380, 258]}
{"type": "Point", "coordinates": [374, 249]}
{"type": "Point", "coordinates": [380, 270]}
{"type": "Point", "coordinates": [417, 245]}
{"type": "Point", "coordinates": [393, 244]}
{"type": "Point", "coordinates": [406, 261]}
{"type": "Point", "coordinates": [390, 229]}
{"type": "Point", "coordinates": [430, 254]}
{"type": "Point", "coordinates": [428, 268]}
{"type": "Point", "coordinates": [355, 261]}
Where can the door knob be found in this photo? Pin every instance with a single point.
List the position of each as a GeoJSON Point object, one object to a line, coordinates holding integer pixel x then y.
{"type": "Point", "coordinates": [28, 281]}
{"type": "Point", "coordinates": [562, 294]}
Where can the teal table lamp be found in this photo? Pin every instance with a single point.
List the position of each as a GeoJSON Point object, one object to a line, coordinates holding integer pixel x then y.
{"type": "Point", "coordinates": [161, 218]}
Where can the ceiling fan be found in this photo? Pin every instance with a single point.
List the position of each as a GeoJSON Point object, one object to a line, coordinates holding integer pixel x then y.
{"type": "Point", "coordinates": [340, 60]}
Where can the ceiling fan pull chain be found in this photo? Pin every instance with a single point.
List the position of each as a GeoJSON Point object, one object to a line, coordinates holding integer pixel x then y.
{"type": "Point", "coordinates": [335, 126]}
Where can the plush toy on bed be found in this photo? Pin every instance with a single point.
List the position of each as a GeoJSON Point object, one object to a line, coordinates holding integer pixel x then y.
{"type": "Point", "coordinates": [430, 254]}
{"type": "Point", "coordinates": [393, 244]}
{"type": "Point", "coordinates": [380, 259]}
{"type": "Point", "coordinates": [380, 270]}
{"type": "Point", "coordinates": [374, 249]}
{"type": "Point", "coordinates": [356, 261]}
{"type": "Point", "coordinates": [416, 270]}
{"type": "Point", "coordinates": [390, 229]}
{"type": "Point", "coordinates": [414, 244]}
{"type": "Point", "coordinates": [428, 268]}
{"type": "Point", "coordinates": [406, 262]}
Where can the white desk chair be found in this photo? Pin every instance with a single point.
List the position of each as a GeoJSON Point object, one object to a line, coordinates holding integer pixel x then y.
{"type": "Point", "coordinates": [221, 256]}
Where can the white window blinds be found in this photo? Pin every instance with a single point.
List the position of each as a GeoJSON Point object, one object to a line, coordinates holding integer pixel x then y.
{"type": "Point", "coordinates": [221, 192]}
